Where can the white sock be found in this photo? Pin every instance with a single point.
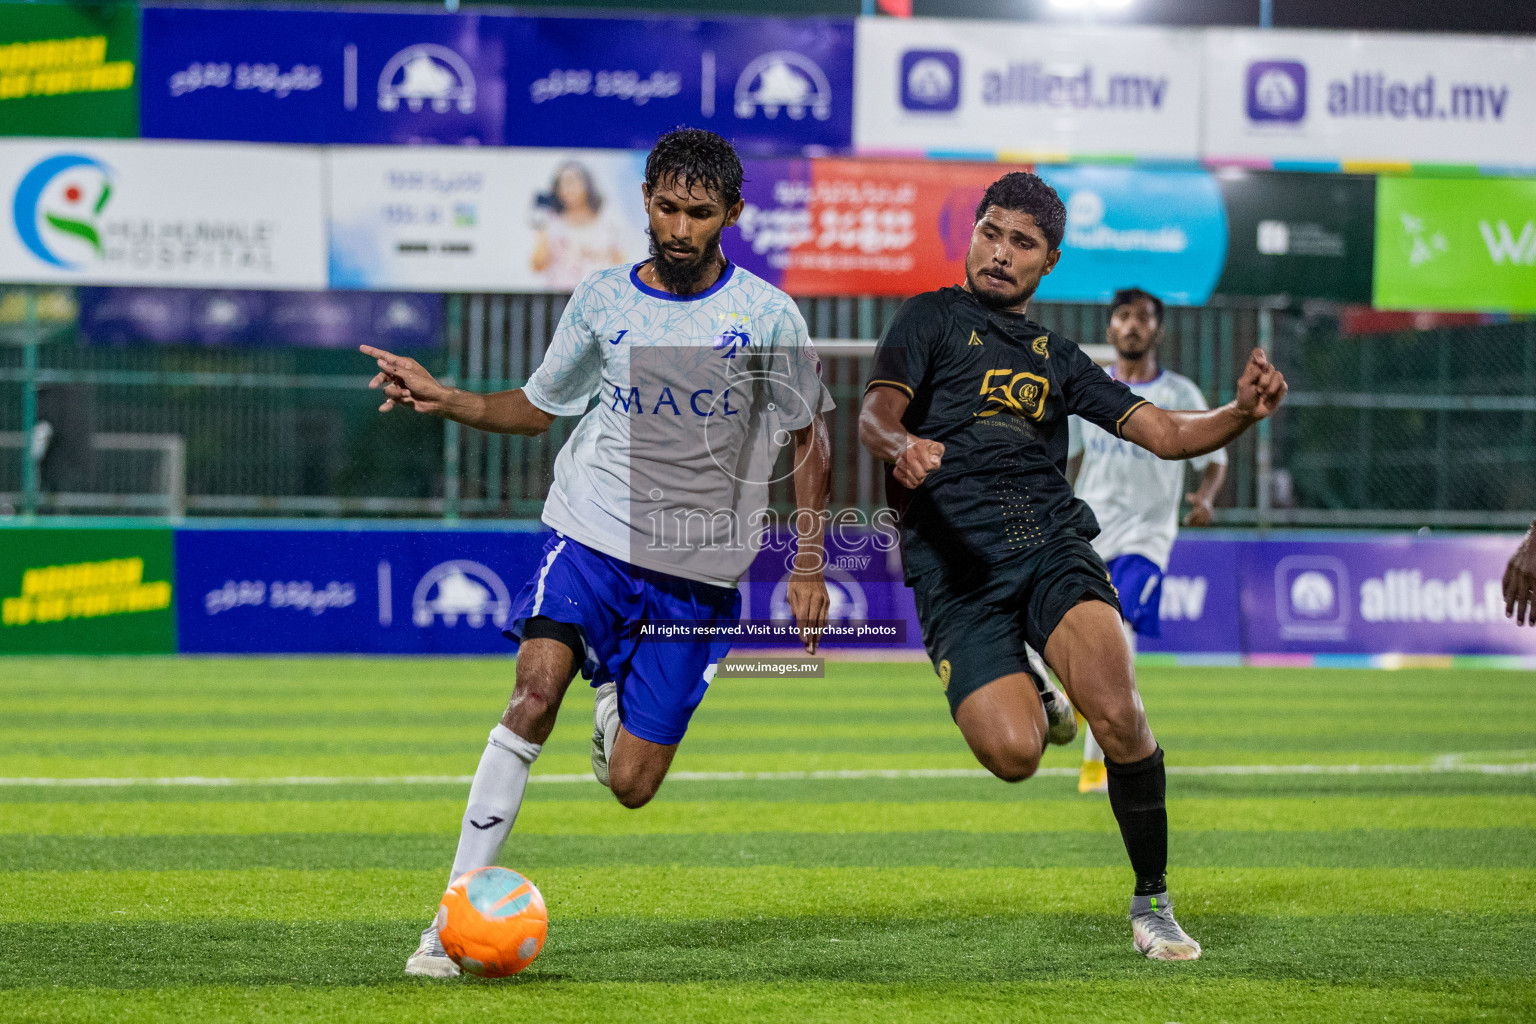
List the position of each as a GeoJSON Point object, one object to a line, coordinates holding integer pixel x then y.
{"type": "Point", "coordinates": [494, 799]}
{"type": "Point", "coordinates": [610, 722]}
{"type": "Point", "coordinates": [1091, 749]}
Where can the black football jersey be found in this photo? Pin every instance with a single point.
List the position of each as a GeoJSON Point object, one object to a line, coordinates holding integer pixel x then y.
{"type": "Point", "coordinates": [996, 389]}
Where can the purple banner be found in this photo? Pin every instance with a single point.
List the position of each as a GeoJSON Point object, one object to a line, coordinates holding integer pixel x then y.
{"type": "Point", "coordinates": [1384, 595]}
{"type": "Point", "coordinates": [189, 316]}
{"type": "Point", "coordinates": [1199, 612]}
{"type": "Point", "coordinates": [863, 575]}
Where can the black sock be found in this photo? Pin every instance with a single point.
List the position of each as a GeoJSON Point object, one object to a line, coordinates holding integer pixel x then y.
{"type": "Point", "coordinates": [1136, 793]}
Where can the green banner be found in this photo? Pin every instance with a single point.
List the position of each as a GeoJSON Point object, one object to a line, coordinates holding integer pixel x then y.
{"type": "Point", "coordinates": [69, 69]}
{"type": "Point", "coordinates": [65, 591]}
{"type": "Point", "coordinates": [1456, 244]}
{"type": "Point", "coordinates": [1304, 235]}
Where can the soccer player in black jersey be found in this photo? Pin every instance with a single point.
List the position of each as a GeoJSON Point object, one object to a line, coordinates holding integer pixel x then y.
{"type": "Point", "coordinates": [968, 404]}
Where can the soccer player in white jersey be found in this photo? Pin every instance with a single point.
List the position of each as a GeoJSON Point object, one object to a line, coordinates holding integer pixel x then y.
{"type": "Point", "coordinates": [1133, 494]}
{"type": "Point", "coordinates": [701, 374]}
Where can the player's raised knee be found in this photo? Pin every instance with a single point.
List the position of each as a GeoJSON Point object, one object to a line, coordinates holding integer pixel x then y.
{"type": "Point", "coordinates": [633, 789]}
{"type": "Point", "coordinates": [1010, 764]}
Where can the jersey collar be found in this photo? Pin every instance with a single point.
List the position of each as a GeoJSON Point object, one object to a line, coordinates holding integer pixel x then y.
{"type": "Point", "coordinates": [657, 293]}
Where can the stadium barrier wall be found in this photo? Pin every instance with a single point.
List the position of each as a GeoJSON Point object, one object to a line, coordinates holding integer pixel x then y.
{"type": "Point", "coordinates": [423, 589]}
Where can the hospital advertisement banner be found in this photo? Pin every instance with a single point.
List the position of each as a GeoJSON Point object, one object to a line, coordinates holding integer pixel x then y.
{"type": "Point", "coordinates": [81, 591]}
{"type": "Point", "coordinates": [1329, 98]}
{"type": "Point", "coordinates": [1304, 235]}
{"type": "Point", "coordinates": [1381, 595]}
{"type": "Point", "coordinates": [1456, 244]}
{"type": "Point", "coordinates": [161, 213]}
{"type": "Point", "coordinates": [372, 77]}
{"type": "Point", "coordinates": [1026, 91]}
{"type": "Point", "coordinates": [69, 69]}
{"type": "Point", "coordinates": [438, 218]}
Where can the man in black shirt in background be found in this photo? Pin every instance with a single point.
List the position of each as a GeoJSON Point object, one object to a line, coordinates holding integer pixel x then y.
{"type": "Point", "coordinates": [968, 404]}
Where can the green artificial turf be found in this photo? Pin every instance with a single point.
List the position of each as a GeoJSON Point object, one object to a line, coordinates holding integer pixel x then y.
{"type": "Point", "coordinates": [1405, 895]}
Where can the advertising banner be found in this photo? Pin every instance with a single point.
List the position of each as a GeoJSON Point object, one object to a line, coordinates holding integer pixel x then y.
{"type": "Point", "coordinates": [865, 227]}
{"type": "Point", "coordinates": [1199, 612]}
{"type": "Point", "coordinates": [1456, 244]}
{"type": "Point", "coordinates": [346, 591]}
{"type": "Point", "coordinates": [1165, 231]}
{"type": "Point", "coordinates": [1408, 595]}
{"type": "Point", "coordinates": [119, 212]}
{"type": "Point", "coordinates": [884, 227]}
{"type": "Point", "coordinates": [215, 317]}
{"type": "Point", "coordinates": [324, 76]}
{"type": "Point", "coordinates": [1304, 235]}
{"type": "Point", "coordinates": [469, 219]}
{"type": "Point", "coordinates": [69, 69]}
{"type": "Point", "coordinates": [1337, 97]}
{"type": "Point", "coordinates": [1026, 91]}
{"type": "Point", "coordinates": [69, 591]}
{"type": "Point", "coordinates": [770, 85]}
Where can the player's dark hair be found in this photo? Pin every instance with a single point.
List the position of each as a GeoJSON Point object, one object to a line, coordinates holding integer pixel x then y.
{"type": "Point", "coordinates": [551, 199]}
{"type": "Point", "coordinates": [1131, 296]}
{"type": "Point", "coordinates": [1028, 193]}
{"type": "Point", "coordinates": [687, 157]}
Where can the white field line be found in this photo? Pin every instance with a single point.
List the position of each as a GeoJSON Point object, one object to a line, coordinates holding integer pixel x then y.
{"type": "Point", "coordinates": [1438, 767]}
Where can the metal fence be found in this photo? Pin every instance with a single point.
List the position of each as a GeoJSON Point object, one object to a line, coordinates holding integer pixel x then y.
{"type": "Point", "coordinates": [1408, 428]}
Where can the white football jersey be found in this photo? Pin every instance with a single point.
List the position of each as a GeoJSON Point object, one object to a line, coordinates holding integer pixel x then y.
{"type": "Point", "coordinates": [1134, 494]}
{"type": "Point", "coordinates": [696, 398]}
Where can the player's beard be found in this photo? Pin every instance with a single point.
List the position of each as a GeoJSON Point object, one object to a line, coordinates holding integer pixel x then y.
{"type": "Point", "coordinates": [997, 302]}
{"type": "Point", "coordinates": [684, 277]}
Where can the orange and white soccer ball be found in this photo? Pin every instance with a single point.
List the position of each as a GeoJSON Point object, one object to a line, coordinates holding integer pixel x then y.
{"type": "Point", "coordinates": [492, 921]}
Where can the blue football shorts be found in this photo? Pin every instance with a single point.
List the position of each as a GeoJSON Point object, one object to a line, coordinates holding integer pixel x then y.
{"type": "Point", "coordinates": [660, 681]}
{"type": "Point", "coordinates": [1139, 582]}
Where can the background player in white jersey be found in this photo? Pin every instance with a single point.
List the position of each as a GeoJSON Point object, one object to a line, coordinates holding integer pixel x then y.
{"type": "Point", "coordinates": [1133, 494]}
{"type": "Point", "coordinates": [701, 374]}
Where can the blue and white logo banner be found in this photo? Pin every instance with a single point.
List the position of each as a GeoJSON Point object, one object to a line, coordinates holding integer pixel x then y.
{"type": "Point", "coordinates": [1328, 98]}
{"type": "Point", "coordinates": [1165, 231]}
{"type": "Point", "coordinates": [96, 211]}
{"type": "Point", "coordinates": [770, 85]}
{"type": "Point", "coordinates": [1024, 91]}
{"type": "Point", "coordinates": [324, 76]}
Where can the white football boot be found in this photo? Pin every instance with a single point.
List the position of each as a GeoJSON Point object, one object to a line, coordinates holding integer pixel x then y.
{"type": "Point", "coordinates": [607, 698]}
{"type": "Point", "coordinates": [429, 960]}
{"type": "Point", "coordinates": [1060, 716]}
{"type": "Point", "coordinates": [1156, 935]}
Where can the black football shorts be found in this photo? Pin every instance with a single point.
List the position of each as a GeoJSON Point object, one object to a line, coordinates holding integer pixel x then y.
{"type": "Point", "coordinates": [976, 619]}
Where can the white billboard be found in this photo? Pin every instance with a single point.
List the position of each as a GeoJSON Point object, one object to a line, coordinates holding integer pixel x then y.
{"type": "Point", "coordinates": [1024, 91]}
{"type": "Point", "coordinates": [1369, 97]}
{"type": "Point", "coordinates": [456, 218]}
{"type": "Point", "coordinates": [178, 214]}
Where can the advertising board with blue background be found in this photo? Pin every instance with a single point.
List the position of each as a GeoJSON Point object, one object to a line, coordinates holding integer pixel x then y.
{"type": "Point", "coordinates": [1165, 231]}
{"type": "Point", "coordinates": [421, 589]}
{"type": "Point", "coordinates": [772, 85]}
{"type": "Point", "coordinates": [350, 591]}
{"type": "Point", "coordinates": [324, 76]}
